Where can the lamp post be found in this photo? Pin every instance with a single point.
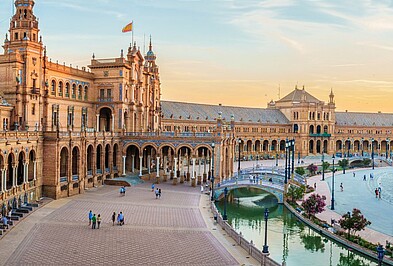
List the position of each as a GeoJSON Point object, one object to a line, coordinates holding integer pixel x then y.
{"type": "Point", "coordinates": [276, 158]}
{"type": "Point", "coordinates": [362, 147]}
{"type": "Point", "coordinates": [265, 246]}
{"type": "Point", "coordinates": [238, 166]}
{"type": "Point", "coordinates": [293, 156]}
{"type": "Point", "coordinates": [298, 157]}
{"type": "Point", "coordinates": [212, 177]}
{"type": "Point", "coordinates": [372, 151]}
{"type": "Point", "coordinates": [286, 162]}
{"type": "Point", "coordinates": [387, 147]}
{"type": "Point", "coordinates": [332, 204]}
{"type": "Point", "coordinates": [225, 217]}
{"type": "Point", "coordinates": [381, 253]}
{"type": "Point", "coordinates": [323, 168]}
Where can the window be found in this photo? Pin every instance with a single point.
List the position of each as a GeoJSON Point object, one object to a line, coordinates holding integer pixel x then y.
{"type": "Point", "coordinates": [73, 91]}
{"type": "Point", "coordinates": [53, 88]}
{"type": "Point", "coordinates": [67, 92]}
{"type": "Point", "coordinates": [33, 109]}
{"type": "Point", "coordinates": [60, 88]}
{"type": "Point", "coordinates": [80, 92]}
{"type": "Point", "coordinates": [102, 93]}
{"type": "Point", "coordinates": [85, 92]}
{"type": "Point", "coordinates": [16, 36]}
{"type": "Point", "coordinates": [109, 93]}
{"type": "Point", "coordinates": [34, 83]}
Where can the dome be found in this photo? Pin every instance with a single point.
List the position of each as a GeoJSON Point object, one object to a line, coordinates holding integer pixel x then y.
{"type": "Point", "coordinates": [150, 53]}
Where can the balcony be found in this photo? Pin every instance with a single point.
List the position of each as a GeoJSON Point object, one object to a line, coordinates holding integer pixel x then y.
{"type": "Point", "coordinates": [105, 99]}
{"type": "Point", "coordinates": [322, 135]}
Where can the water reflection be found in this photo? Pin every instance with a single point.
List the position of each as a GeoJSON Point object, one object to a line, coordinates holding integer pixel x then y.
{"type": "Point", "coordinates": [289, 239]}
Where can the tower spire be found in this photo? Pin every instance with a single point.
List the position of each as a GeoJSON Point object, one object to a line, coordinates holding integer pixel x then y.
{"type": "Point", "coordinates": [150, 46]}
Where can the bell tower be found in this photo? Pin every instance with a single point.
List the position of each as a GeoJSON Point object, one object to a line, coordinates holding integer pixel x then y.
{"type": "Point", "coordinates": [22, 66]}
{"type": "Point", "coordinates": [23, 27]}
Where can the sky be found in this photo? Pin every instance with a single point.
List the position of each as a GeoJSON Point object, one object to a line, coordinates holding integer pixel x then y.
{"type": "Point", "coordinates": [236, 52]}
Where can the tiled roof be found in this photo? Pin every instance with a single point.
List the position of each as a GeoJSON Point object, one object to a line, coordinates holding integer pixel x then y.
{"type": "Point", "coordinates": [364, 119]}
{"type": "Point", "coordinates": [205, 112]}
{"type": "Point", "coordinates": [298, 96]}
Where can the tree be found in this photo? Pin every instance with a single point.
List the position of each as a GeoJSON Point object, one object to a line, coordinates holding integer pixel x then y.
{"type": "Point", "coordinates": [343, 163]}
{"type": "Point", "coordinates": [366, 161]}
{"type": "Point", "coordinates": [312, 168]}
{"type": "Point", "coordinates": [325, 165]}
{"type": "Point", "coordinates": [300, 170]}
{"type": "Point", "coordinates": [354, 222]}
{"type": "Point", "coordinates": [295, 193]}
{"type": "Point", "coordinates": [314, 204]}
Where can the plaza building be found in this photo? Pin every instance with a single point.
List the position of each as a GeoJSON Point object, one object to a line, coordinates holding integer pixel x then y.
{"type": "Point", "coordinates": [66, 129]}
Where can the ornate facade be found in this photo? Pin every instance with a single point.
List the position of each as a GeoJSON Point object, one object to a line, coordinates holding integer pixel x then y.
{"type": "Point", "coordinates": [65, 129]}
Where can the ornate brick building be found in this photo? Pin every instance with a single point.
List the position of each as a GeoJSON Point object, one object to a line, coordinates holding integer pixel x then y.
{"type": "Point", "coordinates": [65, 129]}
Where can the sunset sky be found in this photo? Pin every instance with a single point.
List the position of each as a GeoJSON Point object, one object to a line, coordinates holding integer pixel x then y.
{"type": "Point", "coordinates": [236, 52]}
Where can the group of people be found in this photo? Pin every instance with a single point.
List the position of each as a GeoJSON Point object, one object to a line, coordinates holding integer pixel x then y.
{"type": "Point", "coordinates": [120, 218]}
{"type": "Point", "coordinates": [4, 220]}
{"type": "Point", "coordinates": [157, 191]}
{"type": "Point", "coordinates": [94, 221]}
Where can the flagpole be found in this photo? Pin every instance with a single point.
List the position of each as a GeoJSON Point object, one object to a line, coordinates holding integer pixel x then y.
{"type": "Point", "coordinates": [132, 33]}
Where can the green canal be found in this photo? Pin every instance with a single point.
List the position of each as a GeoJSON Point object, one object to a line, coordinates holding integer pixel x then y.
{"type": "Point", "coordinates": [289, 239]}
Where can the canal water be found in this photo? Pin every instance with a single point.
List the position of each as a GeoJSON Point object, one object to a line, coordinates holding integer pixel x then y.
{"type": "Point", "coordinates": [289, 239]}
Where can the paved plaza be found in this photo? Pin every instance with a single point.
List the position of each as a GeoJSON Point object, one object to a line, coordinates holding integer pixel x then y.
{"type": "Point", "coordinates": [174, 230]}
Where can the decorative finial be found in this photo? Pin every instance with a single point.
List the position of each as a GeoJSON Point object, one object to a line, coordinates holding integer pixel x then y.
{"type": "Point", "coordinates": [150, 46]}
{"type": "Point", "coordinates": [94, 56]}
{"type": "Point", "coordinates": [303, 87]}
{"type": "Point", "coordinates": [40, 38]}
{"type": "Point", "coordinates": [121, 53]}
{"type": "Point", "coordinates": [6, 37]}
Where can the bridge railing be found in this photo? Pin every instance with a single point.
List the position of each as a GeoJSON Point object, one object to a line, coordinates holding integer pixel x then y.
{"type": "Point", "coordinates": [269, 171]}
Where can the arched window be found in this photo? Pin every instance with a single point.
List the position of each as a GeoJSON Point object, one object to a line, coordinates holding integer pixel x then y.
{"type": "Point", "coordinates": [53, 88]}
{"type": "Point", "coordinates": [85, 92]}
{"type": "Point", "coordinates": [325, 129]}
{"type": "Point", "coordinates": [80, 92]}
{"type": "Point", "coordinates": [311, 129]}
{"type": "Point", "coordinates": [295, 128]}
{"type": "Point", "coordinates": [318, 129]}
{"type": "Point", "coordinates": [67, 90]}
{"type": "Point", "coordinates": [60, 88]}
{"type": "Point", "coordinates": [73, 92]}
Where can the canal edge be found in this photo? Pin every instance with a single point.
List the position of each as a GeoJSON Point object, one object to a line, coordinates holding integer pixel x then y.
{"type": "Point", "coordinates": [336, 238]}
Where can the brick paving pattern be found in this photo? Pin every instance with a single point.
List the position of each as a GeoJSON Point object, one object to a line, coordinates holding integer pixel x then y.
{"type": "Point", "coordinates": [166, 231]}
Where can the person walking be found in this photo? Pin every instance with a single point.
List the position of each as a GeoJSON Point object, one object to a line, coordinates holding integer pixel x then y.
{"type": "Point", "coordinates": [118, 219]}
{"type": "Point", "coordinates": [315, 186]}
{"type": "Point", "coordinates": [121, 218]}
{"type": "Point", "coordinates": [156, 192]}
{"type": "Point", "coordinates": [354, 174]}
{"type": "Point", "coordinates": [152, 187]}
{"type": "Point", "coordinates": [376, 193]}
{"type": "Point", "coordinates": [90, 217]}
{"type": "Point", "coordinates": [341, 187]}
{"type": "Point", "coordinates": [202, 189]}
{"type": "Point", "coordinates": [364, 178]}
{"type": "Point", "coordinates": [159, 193]}
{"type": "Point", "coordinates": [379, 191]}
{"type": "Point", "coordinates": [98, 221]}
{"type": "Point", "coordinates": [113, 218]}
{"type": "Point", "coordinates": [94, 221]}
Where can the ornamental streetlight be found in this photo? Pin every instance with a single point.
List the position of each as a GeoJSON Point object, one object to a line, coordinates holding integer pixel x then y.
{"type": "Point", "coordinates": [293, 156]}
{"type": "Point", "coordinates": [286, 162]}
{"type": "Point", "coordinates": [362, 147]}
{"type": "Point", "coordinates": [225, 217]}
{"type": "Point", "coordinates": [387, 147]}
{"type": "Point", "coordinates": [266, 247]}
{"type": "Point", "coordinates": [212, 177]}
{"type": "Point", "coordinates": [332, 204]}
{"type": "Point", "coordinates": [372, 151]}
{"type": "Point", "coordinates": [323, 166]}
{"type": "Point", "coordinates": [238, 166]}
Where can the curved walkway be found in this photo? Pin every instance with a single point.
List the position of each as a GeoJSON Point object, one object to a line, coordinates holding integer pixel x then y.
{"type": "Point", "coordinates": [174, 230]}
{"type": "Point", "coordinates": [357, 194]}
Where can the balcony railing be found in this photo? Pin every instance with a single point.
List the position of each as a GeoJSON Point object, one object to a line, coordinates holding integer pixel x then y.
{"type": "Point", "coordinates": [105, 99]}
{"type": "Point", "coordinates": [75, 178]}
{"type": "Point", "coordinates": [323, 135]}
{"type": "Point", "coordinates": [63, 179]}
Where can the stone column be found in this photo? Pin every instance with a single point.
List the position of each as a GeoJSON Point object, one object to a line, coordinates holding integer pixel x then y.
{"type": "Point", "coordinates": [148, 164]}
{"type": "Point", "coordinates": [2, 180]}
{"type": "Point", "coordinates": [175, 166]}
{"type": "Point", "coordinates": [193, 167]}
{"type": "Point", "coordinates": [113, 123]}
{"type": "Point", "coordinates": [124, 165]}
{"type": "Point", "coordinates": [14, 173]}
{"type": "Point", "coordinates": [199, 172]}
{"type": "Point", "coordinates": [98, 123]}
{"type": "Point", "coordinates": [35, 170]}
{"type": "Point", "coordinates": [133, 163]}
{"type": "Point", "coordinates": [175, 172]}
{"type": "Point", "coordinates": [26, 173]}
{"type": "Point", "coordinates": [5, 179]}
{"type": "Point", "coordinates": [158, 167]}
{"type": "Point", "coordinates": [140, 165]}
